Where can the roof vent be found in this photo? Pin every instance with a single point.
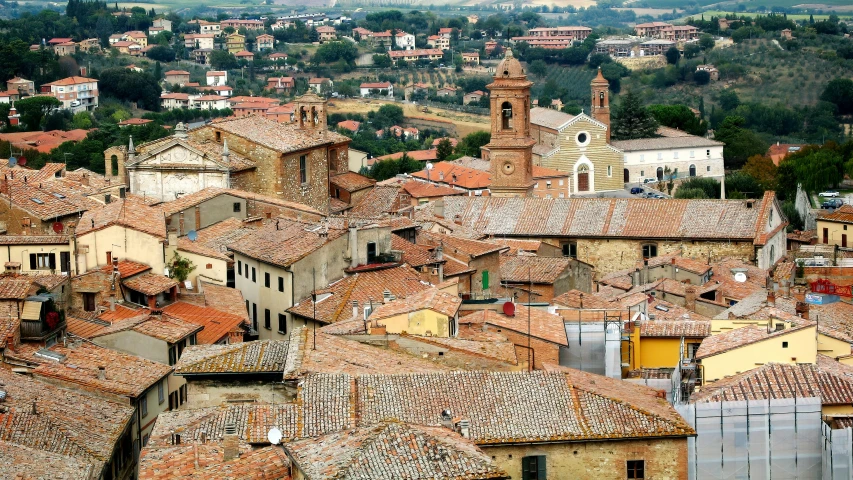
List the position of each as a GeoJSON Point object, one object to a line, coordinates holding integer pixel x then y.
{"type": "Point", "coordinates": [230, 429]}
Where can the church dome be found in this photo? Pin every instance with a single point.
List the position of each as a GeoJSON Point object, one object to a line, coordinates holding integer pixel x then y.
{"type": "Point", "coordinates": [509, 67]}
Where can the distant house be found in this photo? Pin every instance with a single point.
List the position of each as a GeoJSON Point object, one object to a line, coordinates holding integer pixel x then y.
{"type": "Point", "coordinates": [163, 23]}
{"type": "Point", "coordinates": [128, 48]}
{"type": "Point", "coordinates": [471, 58]}
{"type": "Point", "coordinates": [404, 41]}
{"type": "Point", "coordinates": [65, 48]}
{"type": "Point", "coordinates": [198, 40]}
{"type": "Point", "coordinates": [75, 93]}
{"type": "Point", "coordinates": [448, 91]}
{"type": "Point", "coordinates": [317, 84]}
{"type": "Point", "coordinates": [473, 97]}
{"type": "Point", "coordinates": [245, 55]}
{"type": "Point", "coordinates": [350, 125]}
{"type": "Point", "coordinates": [428, 54]}
{"type": "Point", "coordinates": [264, 42]}
{"type": "Point", "coordinates": [377, 88]}
{"type": "Point", "coordinates": [235, 43]}
{"type": "Point", "coordinates": [281, 84]}
{"type": "Point", "coordinates": [326, 33]}
{"type": "Point", "coordinates": [786, 34]}
{"type": "Point", "coordinates": [216, 78]}
{"type": "Point", "coordinates": [439, 42]}
{"type": "Point", "coordinates": [712, 71]}
{"type": "Point", "coordinates": [177, 77]}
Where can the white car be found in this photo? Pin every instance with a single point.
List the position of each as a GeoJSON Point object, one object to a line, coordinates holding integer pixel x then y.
{"type": "Point", "coordinates": [828, 193]}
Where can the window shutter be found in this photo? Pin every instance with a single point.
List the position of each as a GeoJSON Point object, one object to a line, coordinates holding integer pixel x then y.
{"type": "Point", "coordinates": [33, 262]}
{"type": "Point", "coordinates": [65, 261]}
{"type": "Point", "coordinates": [52, 259]}
{"type": "Point", "coordinates": [485, 279]}
{"type": "Point", "coordinates": [525, 468]}
{"type": "Point", "coordinates": [541, 464]}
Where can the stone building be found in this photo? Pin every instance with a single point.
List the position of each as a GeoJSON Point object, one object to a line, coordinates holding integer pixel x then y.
{"type": "Point", "coordinates": [511, 147]}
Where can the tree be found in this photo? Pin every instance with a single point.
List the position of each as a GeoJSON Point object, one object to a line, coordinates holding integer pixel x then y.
{"type": "Point", "coordinates": [687, 193]}
{"type": "Point", "coordinates": [381, 61]}
{"type": "Point", "coordinates": [701, 77]}
{"type": "Point", "coordinates": [709, 187]}
{"type": "Point", "coordinates": [444, 149]}
{"type": "Point", "coordinates": [131, 86]}
{"type": "Point", "coordinates": [34, 109]}
{"type": "Point", "coordinates": [68, 66]}
{"type": "Point", "coordinates": [763, 170]}
{"type": "Point", "coordinates": [706, 42]}
{"type": "Point", "coordinates": [692, 50]}
{"type": "Point", "coordinates": [672, 55]}
{"type": "Point", "coordinates": [223, 60]}
{"type": "Point", "coordinates": [470, 145]}
{"type": "Point", "coordinates": [839, 92]}
{"type": "Point", "coordinates": [539, 68]}
{"type": "Point", "coordinates": [680, 117]}
{"type": "Point", "coordinates": [740, 142]}
{"type": "Point", "coordinates": [331, 52]}
{"type": "Point", "coordinates": [180, 268]}
{"type": "Point", "coordinates": [728, 99]}
{"type": "Point", "coordinates": [82, 120]}
{"type": "Point", "coordinates": [631, 120]}
{"type": "Point", "coordinates": [161, 53]}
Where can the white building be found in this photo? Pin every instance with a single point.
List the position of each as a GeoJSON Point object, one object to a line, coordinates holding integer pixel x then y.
{"type": "Point", "coordinates": [76, 93]}
{"type": "Point", "coordinates": [405, 41]}
{"type": "Point", "coordinates": [371, 88]}
{"type": "Point", "coordinates": [209, 102]}
{"type": "Point", "coordinates": [686, 156]}
{"type": "Point", "coordinates": [215, 78]}
{"type": "Point", "coordinates": [199, 40]}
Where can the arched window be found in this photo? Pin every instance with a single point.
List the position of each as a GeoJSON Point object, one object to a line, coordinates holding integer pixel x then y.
{"type": "Point", "coordinates": [601, 99]}
{"type": "Point", "coordinates": [660, 173]}
{"type": "Point", "coordinates": [692, 170]}
{"type": "Point", "coordinates": [772, 254]}
{"type": "Point", "coordinates": [583, 178]}
{"type": "Point", "coordinates": [114, 165]}
{"type": "Point", "coordinates": [303, 113]}
{"type": "Point", "coordinates": [506, 116]}
{"type": "Point", "coordinates": [609, 171]}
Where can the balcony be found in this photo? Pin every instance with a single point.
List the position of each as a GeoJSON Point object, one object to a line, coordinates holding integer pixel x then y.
{"type": "Point", "coordinates": [39, 329]}
{"type": "Point", "coordinates": [40, 319]}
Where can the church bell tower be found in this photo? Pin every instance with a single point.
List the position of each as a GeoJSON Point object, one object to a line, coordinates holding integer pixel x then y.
{"type": "Point", "coordinates": [511, 146]}
{"type": "Point", "coordinates": [601, 101]}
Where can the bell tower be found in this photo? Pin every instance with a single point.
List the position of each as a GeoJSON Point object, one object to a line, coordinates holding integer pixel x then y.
{"type": "Point", "coordinates": [511, 146]}
{"type": "Point", "coordinates": [311, 112]}
{"type": "Point", "coordinates": [601, 101]}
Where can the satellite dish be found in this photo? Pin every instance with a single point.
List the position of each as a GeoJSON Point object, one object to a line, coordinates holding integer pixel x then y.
{"type": "Point", "coordinates": [22, 161]}
{"type": "Point", "coordinates": [13, 161]}
{"type": "Point", "coordinates": [274, 436]}
{"type": "Point", "coordinates": [509, 309]}
{"type": "Point", "coordinates": [57, 227]}
{"type": "Point", "coordinates": [192, 235]}
{"type": "Point", "coordinates": [740, 277]}
{"type": "Point", "coordinates": [429, 166]}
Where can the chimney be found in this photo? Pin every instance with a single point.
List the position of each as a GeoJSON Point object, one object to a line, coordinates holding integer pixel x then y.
{"type": "Point", "coordinates": [465, 428]}
{"type": "Point", "coordinates": [802, 310]}
{"type": "Point", "coordinates": [181, 223]}
{"type": "Point", "coordinates": [109, 258]}
{"type": "Point", "coordinates": [107, 198]}
{"type": "Point", "coordinates": [673, 268]}
{"type": "Point", "coordinates": [122, 192]}
{"type": "Point", "coordinates": [386, 296]}
{"type": "Point", "coordinates": [35, 408]}
{"type": "Point", "coordinates": [10, 342]}
{"type": "Point", "coordinates": [197, 217]}
{"type": "Point", "coordinates": [102, 372]}
{"type": "Point", "coordinates": [690, 298]}
{"type": "Point", "coordinates": [771, 298]}
{"type": "Point", "coordinates": [230, 445]}
{"type": "Point", "coordinates": [438, 208]}
{"type": "Point", "coordinates": [353, 246]}
{"type": "Point", "coordinates": [85, 179]}
{"type": "Point", "coordinates": [786, 288]}
{"type": "Point", "coordinates": [354, 308]}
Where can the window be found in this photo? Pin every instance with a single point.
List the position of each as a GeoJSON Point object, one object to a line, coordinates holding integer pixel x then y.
{"type": "Point", "coordinates": [784, 344]}
{"type": "Point", "coordinates": [650, 250]}
{"type": "Point", "coordinates": [636, 469]}
{"type": "Point", "coordinates": [675, 155]}
{"type": "Point", "coordinates": [642, 157]}
{"type": "Point", "coordinates": [193, 339]}
{"type": "Point", "coordinates": [548, 184]}
{"type": "Point", "coordinates": [660, 155]}
{"type": "Point", "coordinates": [485, 279]}
{"type": "Point", "coordinates": [506, 116]}
{"type": "Point", "coordinates": [267, 318]}
{"type": "Point", "coordinates": [570, 249]}
{"type": "Point", "coordinates": [708, 168]}
{"type": "Point", "coordinates": [254, 278]}
{"type": "Point", "coordinates": [267, 279]}
{"type": "Point", "coordinates": [609, 170]}
{"type": "Point", "coordinates": [143, 406]}
{"type": "Point", "coordinates": [280, 284]}
{"type": "Point", "coordinates": [282, 323]}
{"type": "Point", "coordinates": [219, 137]}
{"type": "Point", "coordinates": [237, 207]}
{"type": "Point", "coordinates": [247, 307]}
{"type": "Point", "coordinates": [173, 355]}
{"type": "Point", "coordinates": [42, 261]}
{"type": "Point", "coordinates": [161, 394]}
{"type": "Point", "coordinates": [88, 302]}
{"type": "Point", "coordinates": [536, 186]}
{"type": "Point", "coordinates": [303, 169]}
{"type": "Point", "coordinates": [533, 468]}
{"type": "Point", "coordinates": [582, 139]}
{"type": "Point", "coordinates": [371, 252]}
{"type": "Point", "coordinates": [642, 173]}
{"type": "Point", "coordinates": [239, 267]}
{"type": "Point", "coordinates": [692, 153]}
{"type": "Point", "coordinates": [560, 182]}
{"type": "Point", "coordinates": [692, 170]}
{"type": "Point", "coordinates": [255, 316]}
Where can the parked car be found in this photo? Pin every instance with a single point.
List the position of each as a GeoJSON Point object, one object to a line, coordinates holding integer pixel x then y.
{"type": "Point", "coordinates": [828, 193]}
{"type": "Point", "coordinates": [650, 180]}
{"type": "Point", "coordinates": [834, 203]}
{"type": "Point", "coordinates": [636, 190]}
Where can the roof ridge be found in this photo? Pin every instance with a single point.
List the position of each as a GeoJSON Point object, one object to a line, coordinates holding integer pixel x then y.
{"type": "Point", "coordinates": [630, 405]}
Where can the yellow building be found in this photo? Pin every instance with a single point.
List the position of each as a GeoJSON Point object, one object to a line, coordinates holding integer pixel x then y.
{"type": "Point", "coordinates": [38, 254]}
{"type": "Point", "coordinates": [832, 227]}
{"type": "Point", "coordinates": [235, 43]}
{"type": "Point", "coordinates": [743, 349]}
{"type": "Point", "coordinates": [430, 313]}
{"type": "Point", "coordinates": [657, 344]}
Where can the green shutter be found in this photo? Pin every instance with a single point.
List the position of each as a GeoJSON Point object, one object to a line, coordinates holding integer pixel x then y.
{"type": "Point", "coordinates": [525, 468]}
{"type": "Point", "coordinates": [540, 462]}
{"type": "Point", "coordinates": [485, 279]}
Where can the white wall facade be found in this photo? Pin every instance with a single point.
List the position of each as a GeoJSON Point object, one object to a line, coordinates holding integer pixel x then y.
{"type": "Point", "coordinates": [708, 162]}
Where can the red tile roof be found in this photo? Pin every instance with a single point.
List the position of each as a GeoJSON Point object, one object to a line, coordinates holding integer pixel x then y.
{"type": "Point", "coordinates": [162, 327]}
{"type": "Point", "coordinates": [430, 299]}
{"type": "Point", "coordinates": [457, 175]}
{"type": "Point", "coordinates": [150, 283]}
{"type": "Point", "coordinates": [543, 325]}
{"type": "Point", "coordinates": [217, 323]}
{"type": "Point", "coordinates": [351, 181]}
{"type": "Point", "coordinates": [126, 212]}
{"type": "Point", "coordinates": [127, 268]}
{"type": "Point", "coordinates": [418, 189]}
{"type": "Point", "coordinates": [739, 337]}
{"type": "Point", "coordinates": [526, 269]}
{"type": "Point", "coordinates": [263, 356]}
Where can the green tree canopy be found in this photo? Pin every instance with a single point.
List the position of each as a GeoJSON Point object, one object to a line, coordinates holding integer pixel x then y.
{"type": "Point", "coordinates": [672, 55]}
{"type": "Point", "coordinates": [680, 117]}
{"type": "Point", "coordinates": [740, 142]}
{"type": "Point", "coordinates": [632, 120]}
{"type": "Point", "coordinates": [471, 143]}
{"type": "Point", "coordinates": [34, 109]}
{"type": "Point", "coordinates": [223, 60]}
{"type": "Point", "coordinates": [444, 149]}
{"type": "Point", "coordinates": [331, 52]}
{"type": "Point", "coordinates": [131, 86]}
{"type": "Point", "coordinates": [839, 92]}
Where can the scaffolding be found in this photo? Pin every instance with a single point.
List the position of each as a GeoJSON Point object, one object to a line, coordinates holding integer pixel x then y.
{"type": "Point", "coordinates": [755, 439]}
{"type": "Point", "coordinates": [837, 450]}
{"type": "Point", "coordinates": [595, 340]}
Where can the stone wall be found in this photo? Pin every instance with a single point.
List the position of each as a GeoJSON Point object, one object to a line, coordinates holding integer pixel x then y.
{"type": "Point", "coordinates": [604, 460]}
{"type": "Point", "coordinates": [804, 208]}
{"type": "Point", "coordinates": [212, 393]}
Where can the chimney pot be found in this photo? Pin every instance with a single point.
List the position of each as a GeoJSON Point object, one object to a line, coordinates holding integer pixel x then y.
{"type": "Point", "coordinates": [102, 372]}
{"type": "Point", "coordinates": [771, 298]}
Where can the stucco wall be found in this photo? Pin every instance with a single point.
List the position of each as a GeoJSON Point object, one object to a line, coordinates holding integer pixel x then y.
{"type": "Point", "coordinates": [211, 393]}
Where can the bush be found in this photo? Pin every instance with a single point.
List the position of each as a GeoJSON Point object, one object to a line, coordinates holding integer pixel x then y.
{"type": "Point", "coordinates": [709, 186]}
{"type": "Point", "coordinates": [685, 193]}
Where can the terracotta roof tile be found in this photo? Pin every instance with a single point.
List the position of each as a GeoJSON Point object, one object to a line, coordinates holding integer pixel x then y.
{"type": "Point", "coordinates": [207, 461]}
{"type": "Point", "coordinates": [125, 375]}
{"type": "Point", "coordinates": [543, 325]}
{"type": "Point", "coordinates": [190, 200]}
{"type": "Point", "coordinates": [828, 379]}
{"type": "Point", "coordinates": [84, 328]}
{"type": "Point", "coordinates": [281, 137]}
{"type": "Point", "coordinates": [479, 343]}
{"type": "Point", "coordinates": [150, 283]}
{"type": "Point", "coordinates": [726, 341]}
{"type": "Point", "coordinates": [843, 214]}
{"type": "Point", "coordinates": [58, 427]}
{"type": "Point", "coordinates": [162, 327]}
{"type": "Point", "coordinates": [284, 242]}
{"type": "Point", "coordinates": [379, 201]}
{"type": "Point", "coordinates": [414, 255]}
{"type": "Point", "coordinates": [225, 299]}
{"type": "Point", "coordinates": [17, 288]}
{"type": "Point", "coordinates": [126, 212]}
{"type": "Point", "coordinates": [264, 356]}
{"type": "Point", "coordinates": [417, 155]}
{"type": "Point", "coordinates": [393, 450]}
{"type": "Point", "coordinates": [34, 239]}
{"type": "Point", "coordinates": [217, 323]}
{"type": "Point", "coordinates": [429, 299]}
{"type": "Point", "coordinates": [213, 241]}
{"type": "Point", "coordinates": [351, 181]}
{"type": "Point", "coordinates": [127, 268]}
{"type": "Point", "coordinates": [419, 189]}
{"type": "Point", "coordinates": [459, 247]}
{"type": "Point", "coordinates": [676, 328]}
{"type": "Point", "coordinates": [20, 462]}
{"type": "Point", "coordinates": [457, 175]}
{"type": "Point", "coordinates": [525, 269]}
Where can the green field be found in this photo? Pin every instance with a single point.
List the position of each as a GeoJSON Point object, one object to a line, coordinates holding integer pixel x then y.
{"type": "Point", "coordinates": [794, 17]}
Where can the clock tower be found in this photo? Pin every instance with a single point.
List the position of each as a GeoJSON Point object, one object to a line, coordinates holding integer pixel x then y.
{"type": "Point", "coordinates": [511, 146]}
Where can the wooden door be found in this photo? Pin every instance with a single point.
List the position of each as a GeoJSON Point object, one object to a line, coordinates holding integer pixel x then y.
{"type": "Point", "coordinates": [583, 181]}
